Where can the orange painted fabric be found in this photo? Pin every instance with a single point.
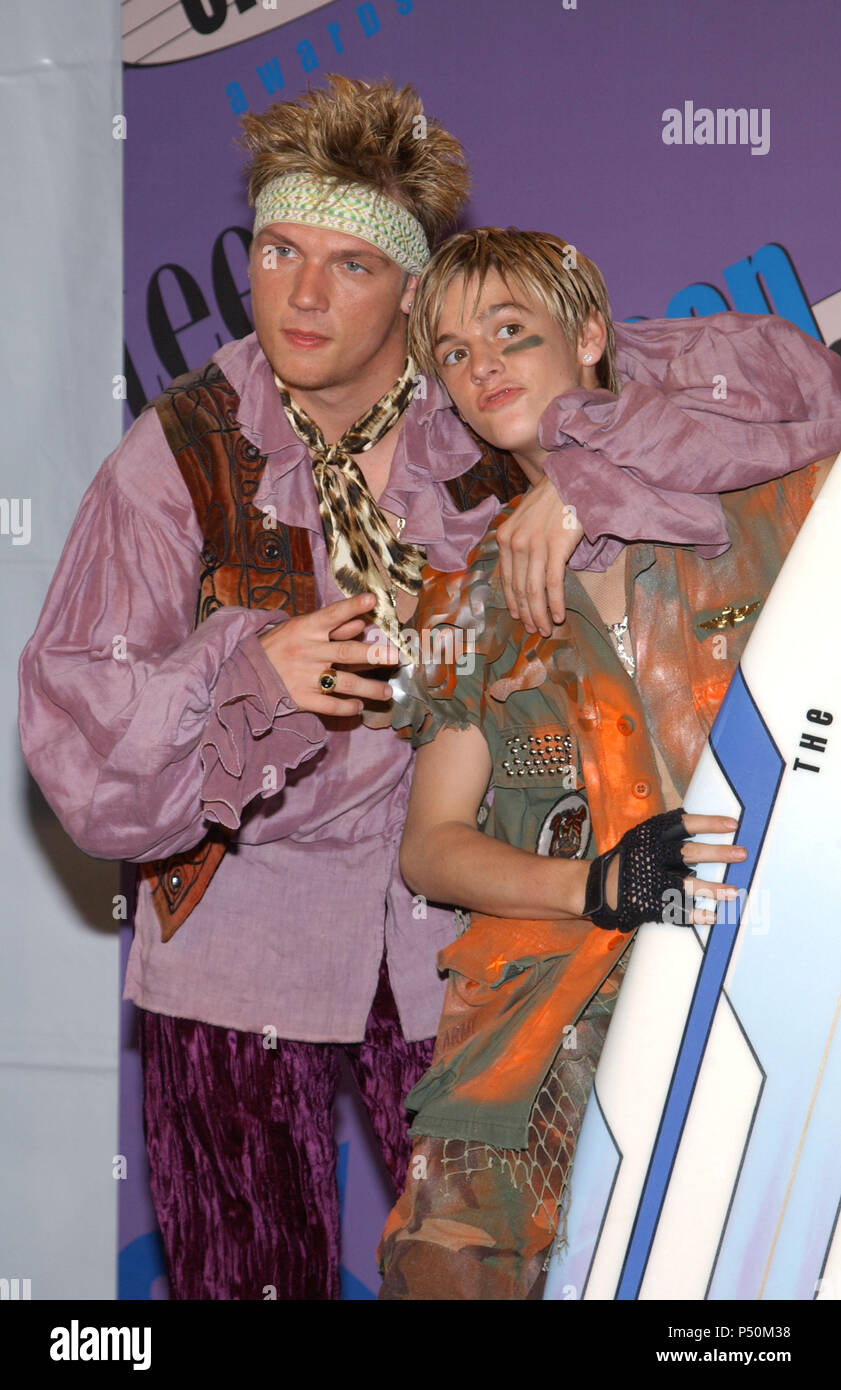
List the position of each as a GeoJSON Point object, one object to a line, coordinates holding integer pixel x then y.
{"type": "Point", "coordinates": [514, 986]}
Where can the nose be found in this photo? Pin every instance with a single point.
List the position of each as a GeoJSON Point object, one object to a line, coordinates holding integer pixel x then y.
{"type": "Point", "coordinates": [309, 288]}
{"type": "Point", "coordinates": [485, 362]}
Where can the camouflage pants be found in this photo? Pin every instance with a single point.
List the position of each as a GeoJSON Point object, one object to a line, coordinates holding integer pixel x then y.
{"type": "Point", "coordinates": [478, 1222]}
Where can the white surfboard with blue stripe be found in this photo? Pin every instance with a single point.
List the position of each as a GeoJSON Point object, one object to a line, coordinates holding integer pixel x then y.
{"type": "Point", "coordinates": [709, 1162]}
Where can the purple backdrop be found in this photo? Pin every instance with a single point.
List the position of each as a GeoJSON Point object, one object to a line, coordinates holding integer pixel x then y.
{"type": "Point", "coordinates": [561, 111]}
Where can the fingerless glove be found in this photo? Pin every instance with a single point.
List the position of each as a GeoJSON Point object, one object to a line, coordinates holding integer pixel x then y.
{"type": "Point", "coordinates": [651, 864]}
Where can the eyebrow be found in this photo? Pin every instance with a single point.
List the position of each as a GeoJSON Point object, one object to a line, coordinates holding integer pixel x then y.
{"type": "Point", "coordinates": [486, 314]}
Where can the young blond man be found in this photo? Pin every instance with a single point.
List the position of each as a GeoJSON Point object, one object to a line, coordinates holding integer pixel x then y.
{"type": "Point", "coordinates": [566, 743]}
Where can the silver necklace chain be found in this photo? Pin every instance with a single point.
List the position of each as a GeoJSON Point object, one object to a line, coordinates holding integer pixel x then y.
{"type": "Point", "coordinates": [619, 632]}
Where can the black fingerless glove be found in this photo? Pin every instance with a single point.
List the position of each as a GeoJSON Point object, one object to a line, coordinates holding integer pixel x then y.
{"type": "Point", "coordinates": [651, 864]}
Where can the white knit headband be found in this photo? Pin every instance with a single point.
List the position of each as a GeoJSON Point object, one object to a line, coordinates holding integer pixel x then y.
{"type": "Point", "coordinates": [353, 208]}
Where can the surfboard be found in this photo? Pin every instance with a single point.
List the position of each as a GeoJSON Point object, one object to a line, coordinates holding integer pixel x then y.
{"type": "Point", "coordinates": [708, 1164]}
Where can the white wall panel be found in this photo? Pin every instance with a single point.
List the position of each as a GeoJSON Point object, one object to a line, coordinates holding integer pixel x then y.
{"type": "Point", "coordinates": [60, 263]}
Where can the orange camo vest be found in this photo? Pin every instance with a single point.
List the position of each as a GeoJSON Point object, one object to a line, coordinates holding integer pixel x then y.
{"type": "Point", "coordinates": [514, 985]}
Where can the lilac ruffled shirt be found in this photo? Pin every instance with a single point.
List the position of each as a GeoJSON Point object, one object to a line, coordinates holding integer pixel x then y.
{"type": "Point", "coordinates": [707, 405]}
{"type": "Point", "coordinates": [138, 753]}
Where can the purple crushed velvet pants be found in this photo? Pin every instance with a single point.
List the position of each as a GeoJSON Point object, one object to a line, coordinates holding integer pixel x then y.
{"type": "Point", "coordinates": [242, 1152]}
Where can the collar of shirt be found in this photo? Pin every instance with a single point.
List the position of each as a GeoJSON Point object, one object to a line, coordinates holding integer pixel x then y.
{"type": "Point", "coordinates": [641, 557]}
{"type": "Point", "coordinates": [432, 447]}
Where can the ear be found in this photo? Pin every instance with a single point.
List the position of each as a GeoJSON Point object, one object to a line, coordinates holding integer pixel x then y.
{"type": "Point", "coordinates": [408, 295]}
{"type": "Point", "coordinates": [592, 341]}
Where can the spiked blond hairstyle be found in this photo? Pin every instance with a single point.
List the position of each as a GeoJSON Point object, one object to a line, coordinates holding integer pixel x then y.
{"type": "Point", "coordinates": [368, 133]}
{"type": "Point", "coordinates": [567, 283]}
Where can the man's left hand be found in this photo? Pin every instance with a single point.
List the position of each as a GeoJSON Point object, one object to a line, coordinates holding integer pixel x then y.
{"type": "Point", "coordinates": [535, 544]}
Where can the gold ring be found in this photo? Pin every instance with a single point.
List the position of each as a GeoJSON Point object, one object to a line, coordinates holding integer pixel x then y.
{"type": "Point", "coordinates": [327, 681]}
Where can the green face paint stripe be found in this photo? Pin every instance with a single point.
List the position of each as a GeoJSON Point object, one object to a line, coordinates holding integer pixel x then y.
{"type": "Point", "coordinates": [521, 344]}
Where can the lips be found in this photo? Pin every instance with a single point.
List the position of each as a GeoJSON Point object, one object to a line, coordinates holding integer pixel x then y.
{"type": "Point", "coordinates": [304, 340]}
{"type": "Point", "coordinates": [502, 395]}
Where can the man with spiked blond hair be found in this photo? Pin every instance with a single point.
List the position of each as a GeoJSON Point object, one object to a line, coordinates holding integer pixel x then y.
{"type": "Point", "coordinates": [197, 697]}
{"type": "Point", "coordinates": [547, 787]}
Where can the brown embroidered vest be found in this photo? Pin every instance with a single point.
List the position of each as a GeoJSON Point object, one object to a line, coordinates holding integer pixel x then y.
{"type": "Point", "coordinates": [247, 565]}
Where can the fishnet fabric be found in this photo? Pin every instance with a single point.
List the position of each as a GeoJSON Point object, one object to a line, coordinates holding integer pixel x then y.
{"type": "Point", "coordinates": [541, 1170]}
{"type": "Point", "coordinates": [650, 867]}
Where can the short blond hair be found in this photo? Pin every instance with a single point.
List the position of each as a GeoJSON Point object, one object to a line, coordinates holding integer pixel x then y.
{"type": "Point", "coordinates": [569, 285]}
{"type": "Point", "coordinates": [368, 133]}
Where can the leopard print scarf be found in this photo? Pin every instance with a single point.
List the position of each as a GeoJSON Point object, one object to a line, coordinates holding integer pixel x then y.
{"type": "Point", "coordinates": [356, 530]}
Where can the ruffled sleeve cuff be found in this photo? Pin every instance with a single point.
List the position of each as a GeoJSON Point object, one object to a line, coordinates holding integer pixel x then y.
{"type": "Point", "coordinates": [255, 735]}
